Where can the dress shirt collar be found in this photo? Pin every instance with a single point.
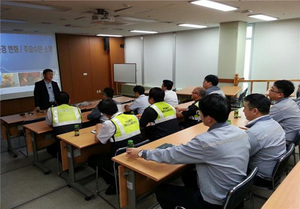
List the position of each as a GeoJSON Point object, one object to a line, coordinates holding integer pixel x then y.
{"type": "Point", "coordinates": [261, 118]}
{"type": "Point", "coordinates": [218, 125]}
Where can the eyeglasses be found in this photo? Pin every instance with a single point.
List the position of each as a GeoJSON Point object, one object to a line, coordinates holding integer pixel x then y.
{"type": "Point", "coordinates": [271, 90]}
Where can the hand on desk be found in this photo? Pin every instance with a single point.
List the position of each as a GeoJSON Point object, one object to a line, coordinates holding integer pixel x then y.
{"type": "Point", "coordinates": [132, 152]}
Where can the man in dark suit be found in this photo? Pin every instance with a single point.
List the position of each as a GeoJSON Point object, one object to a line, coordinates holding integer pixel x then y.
{"type": "Point", "coordinates": [45, 91]}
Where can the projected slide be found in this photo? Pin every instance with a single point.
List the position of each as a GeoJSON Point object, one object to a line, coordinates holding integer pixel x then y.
{"type": "Point", "coordinates": [23, 59]}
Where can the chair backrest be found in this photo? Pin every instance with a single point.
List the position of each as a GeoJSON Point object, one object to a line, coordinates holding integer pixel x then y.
{"type": "Point", "coordinates": [242, 95]}
{"type": "Point", "coordinates": [281, 165]}
{"type": "Point", "coordinates": [236, 195]}
{"type": "Point", "coordinates": [297, 139]}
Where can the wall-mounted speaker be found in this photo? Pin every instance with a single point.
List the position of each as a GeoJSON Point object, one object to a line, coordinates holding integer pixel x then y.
{"type": "Point", "coordinates": [106, 44]}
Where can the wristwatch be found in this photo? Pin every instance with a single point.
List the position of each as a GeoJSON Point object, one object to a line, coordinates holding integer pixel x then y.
{"type": "Point", "coordinates": [140, 154]}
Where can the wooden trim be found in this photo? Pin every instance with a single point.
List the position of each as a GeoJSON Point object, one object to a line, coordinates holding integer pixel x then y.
{"type": "Point", "coordinates": [225, 80]}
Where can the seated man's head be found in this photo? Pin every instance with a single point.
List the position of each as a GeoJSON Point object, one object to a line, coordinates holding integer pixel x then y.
{"type": "Point", "coordinates": [108, 93]}
{"type": "Point", "coordinates": [167, 85]}
{"type": "Point", "coordinates": [156, 95]}
{"type": "Point", "coordinates": [281, 89]}
{"type": "Point", "coordinates": [256, 105]}
{"type": "Point", "coordinates": [198, 93]}
{"type": "Point", "coordinates": [214, 109]}
{"type": "Point", "coordinates": [138, 90]}
{"type": "Point", "coordinates": [62, 98]}
{"type": "Point", "coordinates": [108, 107]}
{"type": "Point", "coordinates": [210, 80]}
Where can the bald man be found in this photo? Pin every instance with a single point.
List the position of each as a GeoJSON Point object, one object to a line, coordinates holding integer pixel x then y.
{"type": "Point", "coordinates": [191, 114]}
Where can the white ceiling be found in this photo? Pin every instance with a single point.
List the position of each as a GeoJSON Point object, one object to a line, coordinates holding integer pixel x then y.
{"type": "Point", "coordinates": [76, 17]}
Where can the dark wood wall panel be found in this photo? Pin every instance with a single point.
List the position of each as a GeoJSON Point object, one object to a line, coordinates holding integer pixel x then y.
{"type": "Point", "coordinates": [116, 55]}
{"type": "Point", "coordinates": [80, 62]}
{"type": "Point", "coordinates": [14, 106]}
{"type": "Point", "coordinates": [64, 63]}
{"type": "Point", "coordinates": [100, 68]}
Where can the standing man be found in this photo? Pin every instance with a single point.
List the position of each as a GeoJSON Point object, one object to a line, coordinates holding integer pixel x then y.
{"type": "Point", "coordinates": [170, 96]}
{"type": "Point", "coordinates": [160, 115]}
{"type": "Point", "coordinates": [191, 114]}
{"type": "Point", "coordinates": [210, 84]}
{"type": "Point", "coordinates": [285, 110]}
{"type": "Point", "coordinates": [266, 137]}
{"type": "Point", "coordinates": [221, 157]}
{"type": "Point", "coordinates": [140, 103]}
{"type": "Point", "coordinates": [45, 91]}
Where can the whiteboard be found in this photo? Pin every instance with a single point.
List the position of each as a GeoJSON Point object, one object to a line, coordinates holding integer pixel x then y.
{"type": "Point", "coordinates": [125, 73]}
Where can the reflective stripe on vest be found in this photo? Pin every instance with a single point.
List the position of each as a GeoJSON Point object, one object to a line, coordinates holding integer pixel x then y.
{"type": "Point", "coordinates": [65, 115]}
{"type": "Point", "coordinates": [164, 111]}
{"type": "Point", "coordinates": [127, 126]}
{"type": "Point", "coordinates": [197, 115]}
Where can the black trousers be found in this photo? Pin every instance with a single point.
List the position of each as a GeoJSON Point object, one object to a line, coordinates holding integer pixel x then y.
{"type": "Point", "coordinates": [188, 196]}
{"type": "Point", "coordinates": [105, 166]}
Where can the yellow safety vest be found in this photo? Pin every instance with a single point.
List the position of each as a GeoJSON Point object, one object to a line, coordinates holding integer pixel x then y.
{"type": "Point", "coordinates": [127, 126]}
{"type": "Point", "coordinates": [197, 115]}
{"type": "Point", "coordinates": [65, 115]}
{"type": "Point", "coordinates": [164, 111]}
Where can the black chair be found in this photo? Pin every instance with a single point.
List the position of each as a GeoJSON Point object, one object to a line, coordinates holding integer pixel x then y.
{"type": "Point", "coordinates": [296, 143]}
{"type": "Point", "coordinates": [115, 166]}
{"type": "Point", "coordinates": [235, 197]}
{"type": "Point", "coordinates": [238, 102]}
{"type": "Point", "coordinates": [280, 167]}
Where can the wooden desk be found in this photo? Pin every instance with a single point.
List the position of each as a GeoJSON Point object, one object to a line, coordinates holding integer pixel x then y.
{"type": "Point", "coordinates": [184, 105]}
{"type": "Point", "coordinates": [91, 105]}
{"type": "Point", "coordinates": [231, 90]}
{"type": "Point", "coordinates": [39, 135]}
{"type": "Point", "coordinates": [123, 99]}
{"type": "Point", "coordinates": [12, 126]}
{"type": "Point", "coordinates": [187, 91]}
{"type": "Point", "coordinates": [76, 149]}
{"type": "Point", "coordinates": [288, 192]}
{"type": "Point", "coordinates": [240, 122]}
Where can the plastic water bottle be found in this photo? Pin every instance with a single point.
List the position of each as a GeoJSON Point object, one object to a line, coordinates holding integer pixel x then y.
{"type": "Point", "coordinates": [236, 113]}
{"type": "Point", "coordinates": [76, 130]}
{"type": "Point", "coordinates": [130, 144]}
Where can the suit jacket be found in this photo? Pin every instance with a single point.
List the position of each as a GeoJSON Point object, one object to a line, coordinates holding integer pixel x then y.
{"type": "Point", "coordinates": [41, 96]}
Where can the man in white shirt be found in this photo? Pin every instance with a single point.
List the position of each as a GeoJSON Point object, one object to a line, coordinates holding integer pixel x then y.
{"type": "Point", "coordinates": [170, 96]}
{"type": "Point", "coordinates": [140, 103]}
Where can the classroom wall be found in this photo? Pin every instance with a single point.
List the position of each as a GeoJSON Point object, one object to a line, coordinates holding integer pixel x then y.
{"type": "Point", "coordinates": [276, 51]}
{"type": "Point", "coordinates": [275, 55]}
{"type": "Point", "coordinates": [184, 57]}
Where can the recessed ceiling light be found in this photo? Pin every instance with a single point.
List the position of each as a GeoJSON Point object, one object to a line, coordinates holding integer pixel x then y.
{"type": "Point", "coordinates": [263, 17]}
{"type": "Point", "coordinates": [109, 35]}
{"type": "Point", "coordinates": [214, 5]}
{"type": "Point", "coordinates": [192, 25]}
{"type": "Point", "coordinates": [143, 31]}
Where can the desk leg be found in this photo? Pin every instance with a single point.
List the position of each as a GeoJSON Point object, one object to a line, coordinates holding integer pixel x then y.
{"type": "Point", "coordinates": [71, 180]}
{"type": "Point", "coordinates": [36, 161]}
{"type": "Point", "coordinates": [131, 189]}
{"type": "Point", "coordinates": [9, 146]}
